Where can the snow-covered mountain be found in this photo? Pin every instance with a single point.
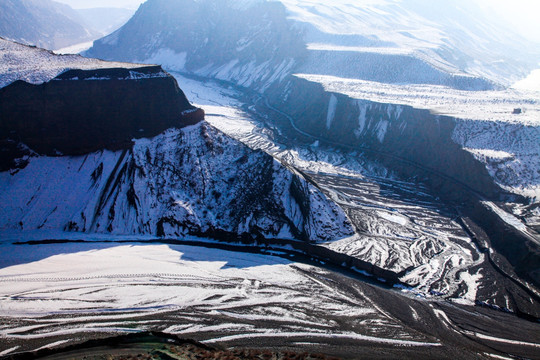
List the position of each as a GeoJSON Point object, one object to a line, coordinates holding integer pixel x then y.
{"type": "Point", "coordinates": [250, 42]}
{"type": "Point", "coordinates": [417, 86]}
{"type": "Point", "coordinates": [453, 44]}
{"type": "Point", "coordinates": [193, 181]}
{"type": "Point", "coordinates": [443, 58]}
{"type": "Point", "coordinates": [457, 38]}
{"type": "Point", "coordinates": [43, 23]}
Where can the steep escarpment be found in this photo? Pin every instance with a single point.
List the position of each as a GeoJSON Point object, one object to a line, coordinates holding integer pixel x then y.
{"type": "Point", "coordinates": [421, 145]}
{"type": "Point", "coordinates": [82, 111]}
{"type": "Point", "coordinates": [121, 151]}
{"type": "Point", "coordinates": [408, 139]}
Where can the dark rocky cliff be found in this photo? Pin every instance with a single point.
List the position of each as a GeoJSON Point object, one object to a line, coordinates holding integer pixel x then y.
{"type": "Point", "coordinates": [79, 111]}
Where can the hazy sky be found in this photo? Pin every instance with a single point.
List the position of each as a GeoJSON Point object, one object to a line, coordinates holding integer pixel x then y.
{"type": "Point", "coordinates": [523, 15]}
{"type": "Point", "coordinates": [87, 4]}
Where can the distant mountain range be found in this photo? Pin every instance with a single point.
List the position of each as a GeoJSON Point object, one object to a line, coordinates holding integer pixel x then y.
{"type": "Point", "coordinates": [51, 25]}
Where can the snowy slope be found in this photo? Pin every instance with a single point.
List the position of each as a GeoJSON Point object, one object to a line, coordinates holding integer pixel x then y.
{"type": "Point", "coordinates": [43, 23]}
{"type": "Point", "coordinates": [36, 66]}
{"type": "Point", "coordinates": [190, 181]}
{"type": "Point", "coordinates": [455, 37]}
{"type": "Point", "coordinates": [251, 43]}
{"type": "Point", "coordinates": [453, 44]}
{"type": "Point", "coordinates": [399, 226]}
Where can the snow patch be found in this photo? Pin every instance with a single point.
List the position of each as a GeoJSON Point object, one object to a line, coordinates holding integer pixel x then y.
{"type": "Point", "coordinates": [332, 105]}
{"type": "Point", "coordinates": [531, 82]}
{"type": "Point", "coordinates": [36, 66]}
{"type": "Point", "coordinates": [169, 59]}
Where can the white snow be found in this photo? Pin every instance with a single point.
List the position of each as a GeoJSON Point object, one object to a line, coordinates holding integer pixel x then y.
{"type": "Point", "coordinates": [331, 111]}
{"type": "Point", "coordinates": [74, 49]}
{"type": "Point", "coordinates": [52, 345]}
{"type": "Point", "coordinates": [496, 105]}
{"type": "Point", "coordinates": [472, 282]}
{"type": "Point", "coordinates": [382, 127]}
{"type": "Point", "coordinates": [117, 288]}
{"type": "Point", "coordinates": [34, 65]}
{"type": "Point", "coordinates": [531, 82]}
{"type": "Point", "coordinates": [293, 335]}
{"type": "Point", "coordinates": [8, 351]}
{"type": "Point", "coordinates": [506, 217]}
{"type": "Point", "coordinates": [168, 59]}
{"type": "Point", "coordinates": [396, 218]}
{"type": "Point", "coordinates": [360, 49]}
{"type": "Point", "coordinates": [496, 339]}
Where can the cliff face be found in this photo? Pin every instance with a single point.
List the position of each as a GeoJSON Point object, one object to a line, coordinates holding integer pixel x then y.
{"type": "Point", "coordinates": [81, 111]}
{"type": "Point", "coordinates": [411, 140]}
{"type": "Point", "coordinates": [121, 151]}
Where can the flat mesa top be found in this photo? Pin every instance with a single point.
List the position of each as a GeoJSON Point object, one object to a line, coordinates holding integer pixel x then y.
{"type": "Point", "coordinates": [36, 66]}
{"type": "Point", "coordinates": [493, 105]}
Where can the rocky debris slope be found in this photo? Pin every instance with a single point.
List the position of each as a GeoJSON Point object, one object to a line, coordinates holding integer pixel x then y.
{"type": "Point", "coordinates": [190, 181]}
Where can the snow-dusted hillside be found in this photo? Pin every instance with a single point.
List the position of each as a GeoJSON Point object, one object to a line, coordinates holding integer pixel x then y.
{"type": "Point", "coordinates": [43, 23]}
{"type": "Point", "coordinates": [450, 58]}
{"type": "Point", "coordinates": [191, 181]}
{"type": "Point", "coordinates": [456, 37]}
{"type": "Point", "coordinates": [251, 43]}
{"type": "Point", "coordinates": [399, 225]}
{"type": "Point", "coordinates": [259, 42]}
{"type": "Point", "coordinates": [36, 66]}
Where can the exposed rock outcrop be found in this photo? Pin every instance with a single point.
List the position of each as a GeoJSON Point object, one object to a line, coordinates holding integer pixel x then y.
{"type": "Point", "coordinates": [81, 111]}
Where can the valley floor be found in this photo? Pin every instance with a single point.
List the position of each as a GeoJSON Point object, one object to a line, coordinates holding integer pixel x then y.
{"type": "Point", "coordinates": [56, 294]}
